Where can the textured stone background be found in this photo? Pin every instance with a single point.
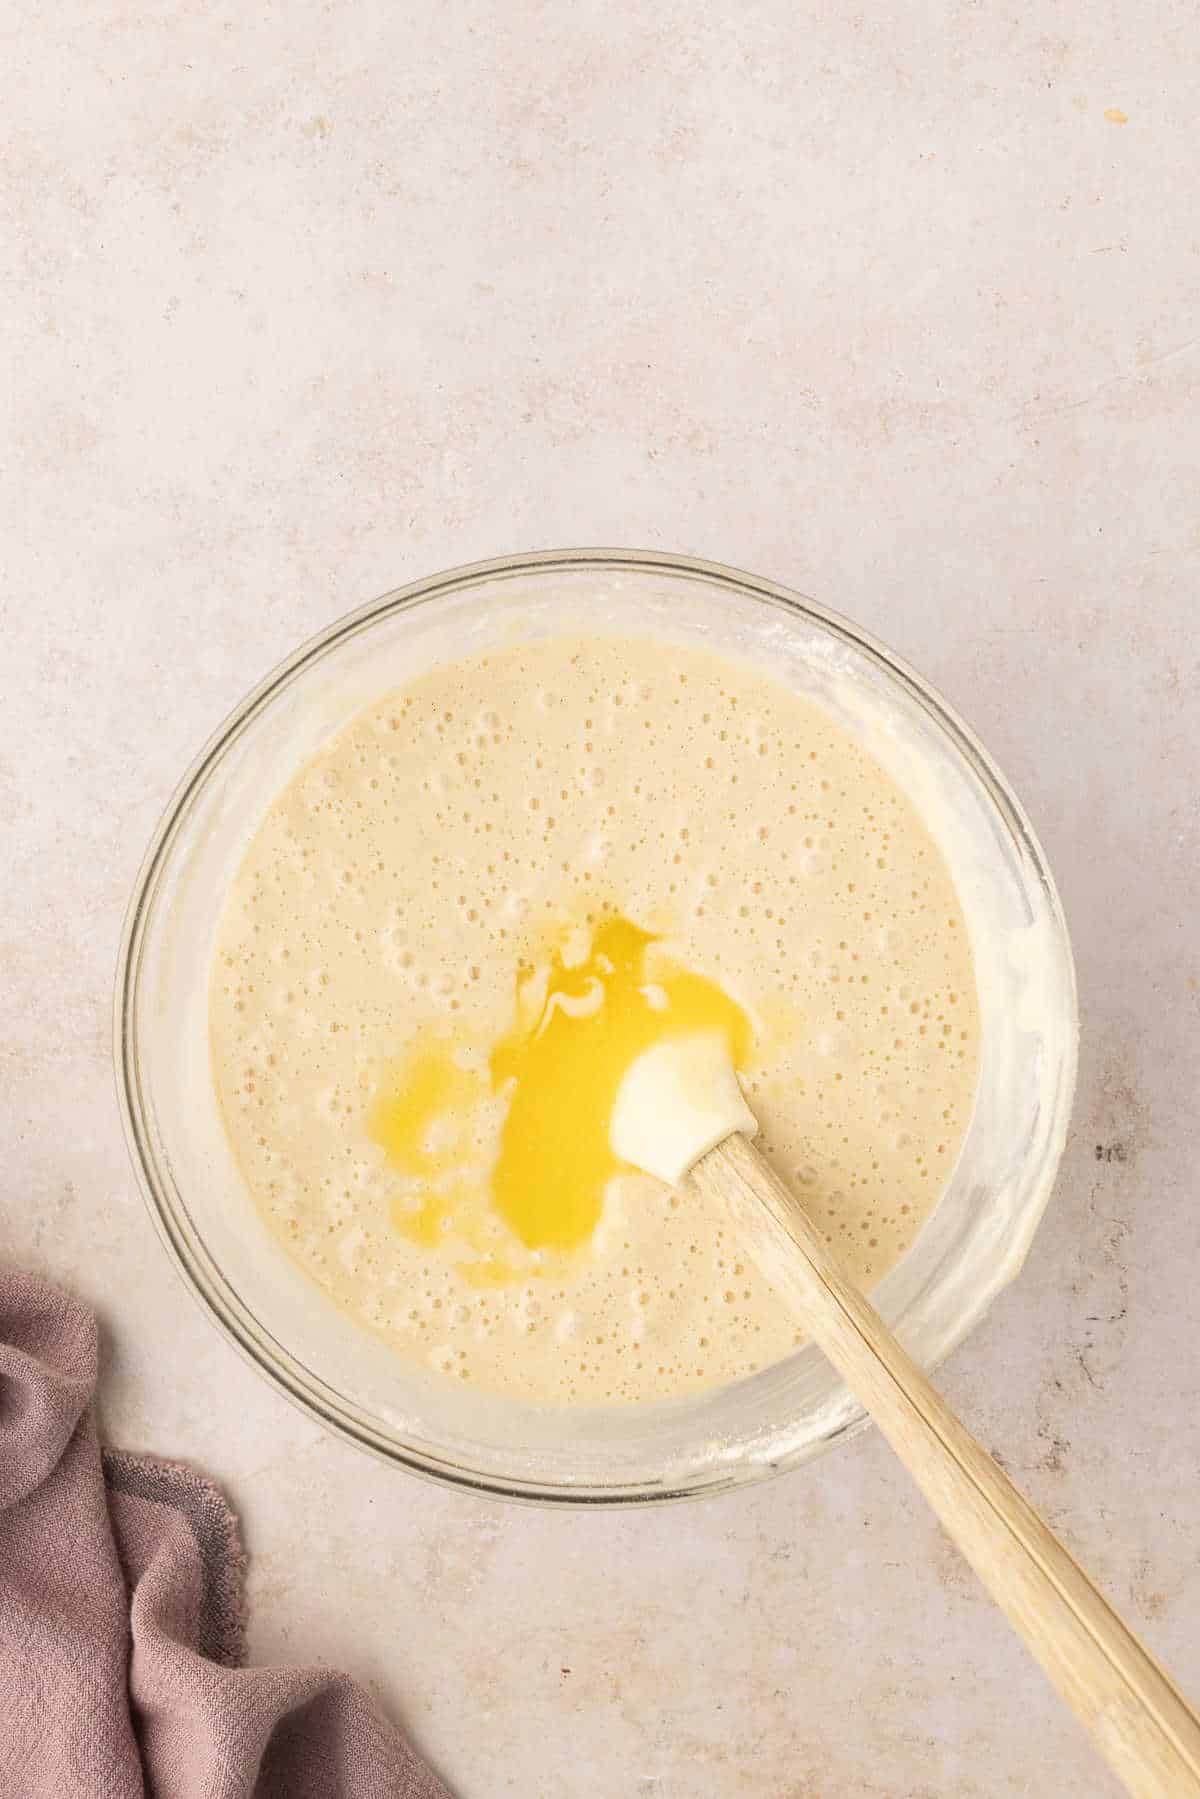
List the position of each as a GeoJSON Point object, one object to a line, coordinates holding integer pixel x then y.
{"type": "Point", "coordinates": [901, 306]}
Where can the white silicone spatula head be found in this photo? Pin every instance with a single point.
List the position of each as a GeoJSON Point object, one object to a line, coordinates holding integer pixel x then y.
{"type": "Point", "coordinates": [677, 1101]}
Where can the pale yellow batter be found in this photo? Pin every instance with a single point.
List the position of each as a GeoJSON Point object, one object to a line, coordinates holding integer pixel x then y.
{"type": "Point", "coordinates": [491, 822]}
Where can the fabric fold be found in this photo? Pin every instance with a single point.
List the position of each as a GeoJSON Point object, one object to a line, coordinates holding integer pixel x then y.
{"type": "Point", "coordinates": [122, 1624]}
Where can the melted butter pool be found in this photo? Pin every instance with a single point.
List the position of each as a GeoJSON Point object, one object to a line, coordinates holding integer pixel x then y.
{"type": "Point", "coordinates": [581, 1018]}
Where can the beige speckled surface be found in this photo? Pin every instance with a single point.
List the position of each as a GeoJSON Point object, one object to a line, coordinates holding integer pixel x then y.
{"type": "Point", "coordinates": [314, 299]}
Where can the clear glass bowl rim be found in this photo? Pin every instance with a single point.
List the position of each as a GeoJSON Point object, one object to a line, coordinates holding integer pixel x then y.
{"type": "Point", "coordinates": [204, 1280]}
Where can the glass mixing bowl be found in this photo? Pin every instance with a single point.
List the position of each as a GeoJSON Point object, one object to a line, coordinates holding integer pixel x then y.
{"type": "Point", "coordinates": [977, 1236]}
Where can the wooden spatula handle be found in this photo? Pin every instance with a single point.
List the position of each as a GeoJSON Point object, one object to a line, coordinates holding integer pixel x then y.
{"type": "Point", "coordinates": [1140, 1721]}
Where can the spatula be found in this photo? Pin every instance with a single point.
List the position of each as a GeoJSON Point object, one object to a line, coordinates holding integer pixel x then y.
{"type": "Point", "coordinates": [680, 1111]}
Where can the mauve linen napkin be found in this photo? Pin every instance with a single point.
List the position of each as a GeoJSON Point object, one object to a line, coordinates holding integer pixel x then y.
{"type": "Point", "coordinates": [121, 1619]}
